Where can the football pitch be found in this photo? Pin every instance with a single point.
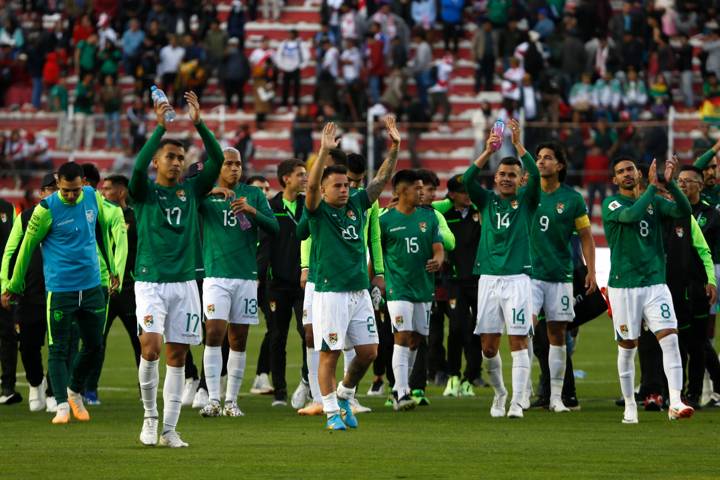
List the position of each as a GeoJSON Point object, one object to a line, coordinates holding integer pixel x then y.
{"type": "Point", "coordinates": [451, 438]}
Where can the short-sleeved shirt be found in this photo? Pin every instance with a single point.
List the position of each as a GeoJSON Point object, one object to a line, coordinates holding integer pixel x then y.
{"type": "Point", "coordinates": [339, 244]}
{"type": "Point", "coordinates": [553, 225]}
{"type": "Point", "coordinates": [407, 242]}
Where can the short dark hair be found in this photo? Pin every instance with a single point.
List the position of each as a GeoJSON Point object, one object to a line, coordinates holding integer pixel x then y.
{"type": "Point", "coordinates": [428, 176]}
{"type": "Point", "coordinates": [118, 179]}
{"type": "Point", "coordinates": [691, 168]}
{"type": "Point", "coordinates": [356, 163]}
{"type": "Point", "coordinates": [623, 158]}
{"type": "Point", "coordinates": [256, 178]}
{"type": "Point", "coordinates": [338, 156]}
{"type": "Point", "coordinates": [91, 174]}
{"type": "Point", "coordinates": [559, 153]}
{"type": "Point", "coordinates": [332, 169]}
{"type": "Point", "coordinates": [287, 167]}
{"type": "Point", "coordinates": [511, 161]}
{"type": "Point", "coordinates": [170, 141]}
{"type": "Point", "coordinates": [70, 171]}
{"type": "Point", "coordinates": [405, 176]}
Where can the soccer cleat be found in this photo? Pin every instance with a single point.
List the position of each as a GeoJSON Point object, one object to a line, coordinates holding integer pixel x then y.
{"type": "Point", "coordinates": [404, 403]}
{"type": "Point", "coordinates": [51, 405]}
{"type": "Point", "coordinates": [525, 399]}
{"type": "Point", "coordinates": [91, 398]}
{"type": "Point", "coordinates": [261, 385]}
{"type": "Point", "coordinates": [300, 395]}
{"type": "Point", "coordinates": [335, 422]}
{"type": "Point", "coordinates": [149, 432]}
{"type": "Point", "coordinates": [357, 408]}
{"type": "Point", "coordinates": [515, 411]}
{"type": "Point", "coordinates": [231, 409]}
{"type": "Point", "coordinates": [189, 390]}
{"type": "Point", "coordinates": [631, 415]}
{"type": "Point", "coordinates": [347, 414]}
{"type": "Point", "coordinates": [36, 398]}
{"type": "Point", "coordinates": [558, 406]}
{"type": "Point", "coordinates": [653, 403]}
{"type": "Point", "coordinates": [498, 406]}
{"type": "Point", "coordinates": [76, 405]}
{"type": "Point", "coordinates": [452, 389]}
{"type": "Point", "coordinates": [279, 402]}
{"type": "Point", "coordinates": [714, 401]}
{"type": "Point", "coordinates": [311, 409]}
{"type": "Point", "coordinates": [377, 389]}
{"type": "Point", "coordinates": [466, 389]}
{"type": "Point", "coordinates": [680, 410]}
{"type": "Point", "coordinates": [212, 409]}
{"type": "Point", "coordinates": [540, 402]}
{"type": "Point", "coordinates": [201, 398]}
{"type": "Point", "coordinates": [62, 416]}
{"type": "Point", "coordinates": [389, 402]}
{"type": "Point", "coordinates": [172, 439]}
{"type": "Point", "coordinates": [572, 403]}
{"type": "Point", "coordinates": [419, 397]}
{"type": "Point", "coordinates": [10, 397]}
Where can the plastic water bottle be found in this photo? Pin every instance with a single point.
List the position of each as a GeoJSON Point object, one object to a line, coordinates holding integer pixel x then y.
{"type": "Point", "coordinates": [158, 97]}
{"type": "Point", "coordinates": [498, 129]}
{"type": "Point", "coordinates": [243, 221]}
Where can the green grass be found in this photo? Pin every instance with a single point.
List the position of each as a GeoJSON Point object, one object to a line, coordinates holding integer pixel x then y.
{"type": "Point", "coordinates": [452, 438]}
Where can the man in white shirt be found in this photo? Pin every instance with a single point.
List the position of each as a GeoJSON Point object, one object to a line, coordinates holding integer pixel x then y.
{"type": "Point", "coordinates": [170, 57]}
{"type": "Point", "coordinates": [290, 58]}
{"type": "Point", "coordinates": [351, 61]}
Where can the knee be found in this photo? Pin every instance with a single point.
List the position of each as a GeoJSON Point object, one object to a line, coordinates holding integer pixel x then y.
{"type": "Point", "coordinates": [489, 352]}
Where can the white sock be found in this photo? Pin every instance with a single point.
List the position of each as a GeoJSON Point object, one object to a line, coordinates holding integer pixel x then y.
{"type": "Point", "coordinates": [313, 361]}
{"type": "Point", "coordinates": [520, 372]}
{"type": "Point", "coordinates": [344, 392]}
{"type": "Point", "coordinates": [149, 377]}
{"type": "Point", "coordinates": [493, 365]}
{"type": "Point", "coordinates": [349, 356]}
{"type": "Point", "coordinates": [626, 372]}
{"type": "Point", "coordinates": [672, 366]}
{"type": "Point", "coordinates": [236, 372]}
{"type": "Point", "coordinates": [528, 387]}
{"type": "Point", "coordinates": [172, 396]}
{"type": "Point", "coordinates": [212, 363]}
{"type": "Point", "coordinates": [556, 361]}
{"type": "Point", "coordinates": [400, 369]}
{"type": "Point", "coordinates": [330, 404]}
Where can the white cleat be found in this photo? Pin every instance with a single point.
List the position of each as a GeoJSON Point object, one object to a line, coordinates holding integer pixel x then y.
{"type": "Point", "coordinates": [357, 408]}
{"type": "Point", "coordinates": [51, 405]}
{"type": "Point", "coordinates": [301, 395]}
{"type": "Point", "coordinates": [515, 411]}
{"type": "Point", "coordinates": [172, 439]}
{"type": "Point", "coordinates": [231, 409]}
{"type": "Point", "coordinates": [212, 409]}
{"type": "Point", "coordinates": [201, 398]}
{"type": "Point", "coordinates": [631, 415]}
{"type": "Point", "coordinates": [148, 434]}
{"type": "Point", "coordinates": [680, 410]}
{"type": "Point", "coordinates": [526, 398]}
{"type": "Point", "coordinates": [558, 406]}
{"type": "Point", "coordinates": [189, 390]}
{"type": "Point", "coordinates": [261, 385]}
{"type": "Point", "coordinates": [36, 397]}
{"type": "Point", "coordinates": [498, 406]}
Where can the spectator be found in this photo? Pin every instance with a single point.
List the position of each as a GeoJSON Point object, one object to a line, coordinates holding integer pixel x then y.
{"type": "Point", "coordinates": [193, 73]}
{"type": "Point", "coordinates": [330, 14]}
{"type": "Point", "coordinates": [632, 52]}
{"type": "Point", "coordinates": [111, 99]}
{"type": "Point", "coordinates": [136, 119]}
{"type": "Point", "coordinates": [508, 38]}
{"type": "Point", "coordinates": [607, 94]}
{"type": "Point", "coordinates": [512, 78]}
{"type": "Point", "coordinates": [15, 150]}
{"type": "Point", "coordinates": [351, 61]}
{"type": "Point", "coordinates": [59, 38]}
{"type": "Point", "coordinates": [161, 16]}
{"type": "Point", "coordinates": [602, 146]}
{"type": "Point", "coordinates": [581, 94]}
{"type": "Point", "coordinates": [424, 13]}
{"type": "Point", "coordinates": [82, 30]}
{"type": "Point", "coordinates": [157, 36]}
{"type": "Point", "coordinates": [392, 25]}
{"type": "Point", "coordinates": [290, 59]}
{"type": "Point", "coordinates": [84, 103]}
{"type": "Point", "coordinates": [132, 41]}
{"type": "Point", "coordinates": [572, 61]}
{"type": "Point", "coordinates": [37, 156]}
{"type": "Point", "coordinates": [246, 147]}
{"type": "Point", "coordinates": [146, 73]}
{"type": "Point", "coordinates": [451, 16]}
{"type": "Point", "coordinates": [530, 102]}
{"type": "Point", "coordinates": [235, 73]}
{"type": "Point", "coordinates": [376, 69]}
{"type": "Point", "coordinates": [169, 63]}
{"type": "Point", "coordinates": [497, 12]}
{"type": "Point", "coordinates": [350, 23]}
{"type": "Point", "coordinates": [634, 96]}
{"type": "Point", "coordinates": [106, 34]}
{"type": "Point", "coordinates": [54, 68]}
{"type": "Point", "coordinates": [215, 46]}
{"type": "Point", "coordinates": [481, 120]}
{"type": "Point", "coordinates": [110, 60]}
{"type": "Point", "coordinates": [58, 102]}
{"type": "Point", "coordinates": [398, 53]}
{"type": "Point", "coordinates": [320, 37]}
{"type": "Point", "coordinates": [236, 21]}
{"type": "Point", "coordinates": [683, 61]}
{"type": "Point", "coordinates": [660, 94]}
{"type": "Point", "coordinates": [711, 45]}
{"type": "Point", "coordinates": [711, 86]}
{"type": "Point", "coordinates": [484, 52]}
{"type": "Point", "coordinates": [326, 91]}
{"type": "Point", "coordinates": [395, 89]}
{"type": "Point", "coordinates": [263, 71]}
{"type": "Point", "coordinates": [627, 22]}
{"type": "Point", "coordinates": [532, 54]}
{"type": "Point", "coordinates": [354, 97]}
{"type": "Point", "coordinates": [544, 25]}
{"type": "Point", "coordinates": [271, 9]}
{"type": "Point", "coordinates": [665, 56]}
{"type": "Point", "coordinates": [421, 64]}
{"type": "Point", "coordinates": [86, 56]}
{"type": "Point", "coordinates": [302, 128]}
{"type": "Point", "coordinates": [601, 55]}
{"type": "Point", "coordinates": [440, 89]}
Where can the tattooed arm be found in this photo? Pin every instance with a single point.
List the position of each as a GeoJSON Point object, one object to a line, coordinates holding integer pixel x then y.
{"type": "Point", "coordinates": [376, 186]}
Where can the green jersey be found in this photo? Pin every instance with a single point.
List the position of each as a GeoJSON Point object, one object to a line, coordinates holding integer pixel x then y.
{"type": "Point", "coordinates": [407, 242]}
{"type": "Point", "coordinates": [558, 215]}
{"type": "Point", "coordinates": [337, 238]}
{"type": "Point", "coordinates": [167, 217]}
{"type": "Point", "coordinates": [633, 229]}
{"type": "Point", "coordinates": [709, 194]}
{"type": "Point", "coordinates": [504, 247]}
{"type": "Point", "coordinates": [228, 250]}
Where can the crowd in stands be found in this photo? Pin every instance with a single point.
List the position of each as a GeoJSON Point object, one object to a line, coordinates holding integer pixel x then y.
{"type": "Point", "coordinates": [574, 63]}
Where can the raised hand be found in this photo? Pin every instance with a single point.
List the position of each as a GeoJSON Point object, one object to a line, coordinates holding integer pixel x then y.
{"type": "Point", "coordinates": [514, 131]}
{"type": "Point", "coordinates": [670, 166]}
{"type": "Point", "coordinates": [328, 139]}
{"type": "Point", "coordinates": [652, 173]}
{"type": "Point", "coordinates": [193, 106]}
{"type": "Point", "coordinates": [392, 130]}
{"type": "Point", "coordinates": [492, 138]}
{"type": "Point", "coordinates": [160, 110]}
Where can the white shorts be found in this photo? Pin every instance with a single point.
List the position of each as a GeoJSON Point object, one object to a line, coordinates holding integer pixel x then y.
{"type": "Point", "coordinates": [410, 316]}
{"type": "Point", "coordinates": [555, 298]}
{"type": "Point", "coordinates": [504, 302]}
{"type": "Point", "coordinates": [231, 299]}
{"type": "Point", "coordinates": [631, 305]}
{"type": "Point", "coordinates": [342, 320]}
{"type": "Point", "coordinates": [171, 309]}
{"type": "Point", "coordinates": [307, 303]}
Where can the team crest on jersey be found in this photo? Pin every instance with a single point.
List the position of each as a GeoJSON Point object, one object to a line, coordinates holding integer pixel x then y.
{"type": "Point", "coordinates": [90, 215]}
{"type": "Point", "coordinates": [273, 305]}
{"type": "Point", "coordinates": [560, 207]}
{"type": "Point", "coordinates": [351, 215]}
{"type": "Point", "coordinates": [514, 204]}
{"type": "Point", "coordinates": [211, 308]}
{"type": "Point", "coordinates": [680, 232]}
{"type": "Point", "coordinates": [148, 320]}
{"type": "Point", "coordinates": [3, 217]}
{"type": "Point", "coordinates": [650, 209]}
{"type": "Point", "coordinates": [181, 195]}
{"type": "Point", "coordinates": [399, 320]}
{"type": "Point", "coordinates": [614, 205]}
{"type": "Point", "coordinates": [702, 221]}
{"type": "Point", "coordinates": [623, 329]}
{"type": "Point", "coordinates": [332, 338]}
{"type": "Point", "coordinates": [57, 315]}
{"type": "Point", "coordinates": [423, 227]}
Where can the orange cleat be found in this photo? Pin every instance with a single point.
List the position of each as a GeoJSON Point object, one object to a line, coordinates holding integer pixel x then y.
{"type": "Point", "coordinates": [78, 408]}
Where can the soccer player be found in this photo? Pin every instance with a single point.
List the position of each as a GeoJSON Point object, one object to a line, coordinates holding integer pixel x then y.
{"type": "Point", "coordinates": [707, 162]}
{"type": "Point", "coordinates": [412, 252]}
{"type": "Point", "coordinates": [342, 309]}
{"type": "Point", "coordinates": [8, 335]}
{"type": "Point", "coordinates": [503, 263]}
{"type": "Point", "coordinates": [637, 288]}
{"type": "Point", "coordinates": [65, 223]}
{"type": "Point", "coordinates": [166, 293]}
{"type": "Point", "coordinates": [561, 212]}
{"type": "Point", "coordinates": [230, 238]}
